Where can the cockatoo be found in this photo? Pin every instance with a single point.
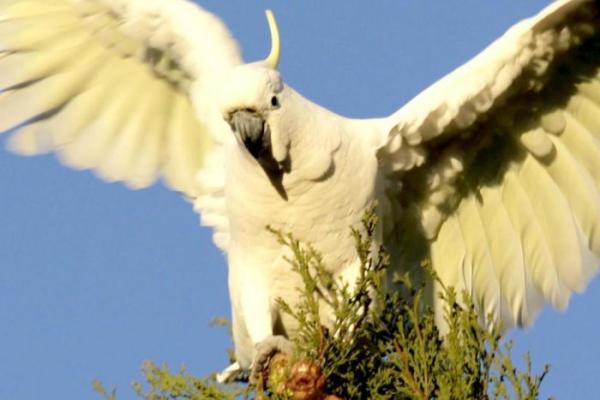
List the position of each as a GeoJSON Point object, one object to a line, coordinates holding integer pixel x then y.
{"type": "Point", "coordinates": [492, 173]}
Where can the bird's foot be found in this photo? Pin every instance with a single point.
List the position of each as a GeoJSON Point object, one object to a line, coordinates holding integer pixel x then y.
{"type": "Point", "coordinates": [265, 351]}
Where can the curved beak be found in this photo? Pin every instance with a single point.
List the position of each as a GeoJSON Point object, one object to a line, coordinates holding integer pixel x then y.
{"type": "Point", "coordinates": [252, 130]}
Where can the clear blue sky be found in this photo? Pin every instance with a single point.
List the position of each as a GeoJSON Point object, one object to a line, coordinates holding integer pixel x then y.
{"type": "Point", "coordinates": [95, 279]}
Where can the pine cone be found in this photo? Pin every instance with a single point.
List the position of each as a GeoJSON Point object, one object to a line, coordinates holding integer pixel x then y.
{"type": "Point", "coordinates": [304, 380]}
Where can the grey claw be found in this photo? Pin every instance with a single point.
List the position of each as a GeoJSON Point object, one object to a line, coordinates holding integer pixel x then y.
{"type": "Point", "coordinates": [265, 350]}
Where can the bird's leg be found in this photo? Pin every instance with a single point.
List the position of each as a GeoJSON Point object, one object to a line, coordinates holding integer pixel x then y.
{"type": "Point", "coordinates": [265, 350]}
{"type": "Point", "coordinates": [260, 330]}
{"type": "Point", "coordinates": [254, 314]}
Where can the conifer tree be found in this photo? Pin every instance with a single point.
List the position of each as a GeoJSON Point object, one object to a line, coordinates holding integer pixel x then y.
{"type": "Point", "coordinates": [383, 344]}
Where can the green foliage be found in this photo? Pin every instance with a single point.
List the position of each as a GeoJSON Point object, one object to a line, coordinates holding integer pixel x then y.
{"type": "Point", "coordinates": [384, 344]}
{"type": "Point", "coordinates": [162, 384]}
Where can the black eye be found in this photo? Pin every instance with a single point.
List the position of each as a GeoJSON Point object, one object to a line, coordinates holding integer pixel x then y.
{"type": "Point", "coordinates": [274, 101]}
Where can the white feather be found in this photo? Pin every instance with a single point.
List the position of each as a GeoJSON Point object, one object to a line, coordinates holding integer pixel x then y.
{"type": "Point", "coordinates": [498, 160]}
{"type": "Point", "coordinates": [534, 226]}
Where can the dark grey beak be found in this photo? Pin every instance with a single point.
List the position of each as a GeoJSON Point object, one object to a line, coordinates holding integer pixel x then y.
{"type": "Point", "coordinates": [252, 131]}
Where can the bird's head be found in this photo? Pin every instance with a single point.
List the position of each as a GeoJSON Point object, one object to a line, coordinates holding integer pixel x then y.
{"type": "Point", "coordinates": [250, 97]}
{"type": "Point", "coordinates": [273, 124]}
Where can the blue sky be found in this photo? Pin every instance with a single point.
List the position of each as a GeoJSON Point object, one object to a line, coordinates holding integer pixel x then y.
{"type": "Point", "coordinates": [95, 279]}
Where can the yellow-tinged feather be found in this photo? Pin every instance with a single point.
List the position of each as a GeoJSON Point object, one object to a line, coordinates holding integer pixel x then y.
{"type": "Point", "coordinates": [554, 215]}
{"type": "Point", "coordinates": [103, 92]}
{"type": "Point", "coordinates": [60, 129]}
{"type": "Point", "coordinates": [199, 141]}
{"type": "Point", "coordinates": [537, 142]}
{"type": "Point", "coordinates": [553, 122]}
{"type": "Point", "coordinates": [25, 9]}
{"type": "Point", "coordinates": [449, 255]}
{"type": "Point", "coordinates": [96, 139]}
{"type": "Point", "coordinates": [19, 105]}
{"type": "Point", "coordinates": [186, 145]}
{"type": "Point", "coordinates": [26, 142]}
{"type": "Point", "coordinates": [486, 293]}
{"type": "Point", "coordinates": [539, 267]}
{"type": "Point", "coordinates": [23, 67]}
{"type": "Point", "coordinates": [578, 187]}
{"type": "Point", "coordinates": [135, 157]}
{"type": "Point", "coordinates": [40, 39]}
{"type": "Point", "coordinates": [590, 89]}
{"type": "Point", "coordinates": [123, 138]}
{"type": "Point", "coordinates": [79, 69]}
{"type": "Point", "coordinates": [78, 114]}
{"type": "Point", "coordinates": [505, 251]}
{"type": "Point", "coordinates": [118, 162]}
{"type": "Point", "coordinates": [584, 145]}
{"type": "Point", "coordinates": [42, 21]}
{"type": "Point", "coordinates": [106, 30]}
{"type": "Point", "coordinates": [174, 173]}
{"type": "Point", "coordinates": [533, 237]}
{"type": "Point", "coordinates": [148, 158]}
{"type": "Point", "coordinates": [586, 112]}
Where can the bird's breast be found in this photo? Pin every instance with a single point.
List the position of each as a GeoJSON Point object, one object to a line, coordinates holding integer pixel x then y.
{"type": "Point", "coordinates": [318, 212]}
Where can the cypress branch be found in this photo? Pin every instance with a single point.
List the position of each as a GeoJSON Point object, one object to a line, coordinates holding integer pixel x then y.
{"type": "Point", "coordinates": [382, 345]}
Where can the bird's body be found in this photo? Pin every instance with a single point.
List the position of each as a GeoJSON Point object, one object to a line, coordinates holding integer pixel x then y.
{"type": "Point", "coordinates": [492, 173]}
{"type": "Point", "coordinates": [322, 199]}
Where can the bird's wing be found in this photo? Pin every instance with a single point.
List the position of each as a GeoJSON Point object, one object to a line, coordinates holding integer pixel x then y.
{"type": "Point", "coordinates": [106, 84]}
{"type": "Point", "coordinates": [499, 167]}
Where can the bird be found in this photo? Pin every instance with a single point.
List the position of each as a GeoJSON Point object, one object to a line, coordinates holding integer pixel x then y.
{"type": "Point", "coordinates": [491, 172]}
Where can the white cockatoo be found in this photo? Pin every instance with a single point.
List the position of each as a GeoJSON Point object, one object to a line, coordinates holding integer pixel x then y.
{"type": "Point", "coordinates": [493, 173]}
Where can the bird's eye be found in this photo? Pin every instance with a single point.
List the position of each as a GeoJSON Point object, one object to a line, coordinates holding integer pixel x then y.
{"type": "Point", "coordinates": [274, 101]}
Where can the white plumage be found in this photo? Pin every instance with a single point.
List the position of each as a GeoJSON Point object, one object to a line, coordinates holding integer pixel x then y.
{"type": "Point", "coordinates": [492, 172]}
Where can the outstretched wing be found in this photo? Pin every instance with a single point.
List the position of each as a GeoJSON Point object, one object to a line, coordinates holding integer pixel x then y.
{"type": "Point", "coordinates": [499, 165]}
{"type": "Point", "coordinates": [107, 83]}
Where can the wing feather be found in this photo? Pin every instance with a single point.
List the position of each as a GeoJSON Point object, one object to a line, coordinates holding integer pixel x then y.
{"type": "Point", "coordinates": [504, 166]}
{"type": "Point", "coordinates": [453, 251]}
{"type": "Point", "coordinates": [554, 215]}
{"type": "Point", "coordinates": [95, 138]}
{"type": "Point", "coordinates": [181, 157]}
{"type": "Point", "coordinates": [580, 191]}
{"type": "Point", "coordinates": [535, 254]}
{"type": "Point", "coordinates": [584, 146]}
{"type": "Point", "coordinates": [505, 248]}
{"type": "Point", "coordinates": [119, 162]}
{"type": "Point", "coordinates": [106, 83]}
{"type": "Point", "coordinates": [23, 103]}
{"type": "Point", "coordinates": [480, 258]}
